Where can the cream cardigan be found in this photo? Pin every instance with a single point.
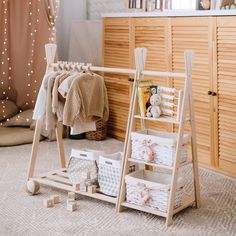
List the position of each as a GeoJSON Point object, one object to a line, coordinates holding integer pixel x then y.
{"type": "Point", "coordinates": [86, 100]}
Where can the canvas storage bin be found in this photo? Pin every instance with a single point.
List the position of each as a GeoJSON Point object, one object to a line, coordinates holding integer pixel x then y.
{"type": "Point", "coordinates": [157, 147]}
{"type": "Point", "coordinates": [152, 189]}
{"type": "Point", "coordinates": [109, 171]}
{"type": "Point", "coordinates": [81, 161]}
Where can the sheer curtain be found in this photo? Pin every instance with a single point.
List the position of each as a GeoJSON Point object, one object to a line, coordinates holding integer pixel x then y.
{"type": "Point", "coordinates": [184, 4]}
{"type": "Point", "coordinates": [25, 27]}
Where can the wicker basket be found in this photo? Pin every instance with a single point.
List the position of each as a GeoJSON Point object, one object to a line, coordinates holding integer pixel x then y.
{"type": "Point", "coordinates": [157, 147]}
{"type": "Point", "coordinates": [100, 133]}
{"type": "Point", "coordinates": [152, 190]}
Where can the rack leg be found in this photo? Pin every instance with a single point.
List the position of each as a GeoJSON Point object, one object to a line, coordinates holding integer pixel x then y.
{"type": "Point", "coordinates": [34, 150]}
{"type": "Point", "coordinates": [194, 151]}
{"type": "Point", "coordinates": [60, 145]}
{"type": "Point", "coordinates": [127, 150]}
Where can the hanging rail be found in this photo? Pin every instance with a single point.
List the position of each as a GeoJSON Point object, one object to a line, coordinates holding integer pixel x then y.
{"type": "Point", "coordinates": [117, 70]}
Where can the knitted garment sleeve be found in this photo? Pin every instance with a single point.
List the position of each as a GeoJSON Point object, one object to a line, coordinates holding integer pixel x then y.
{"type": "Point", "coordinates": [72, 105]}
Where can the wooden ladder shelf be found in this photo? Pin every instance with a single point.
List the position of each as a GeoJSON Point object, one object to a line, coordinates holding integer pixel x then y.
{"type": "Point", "coordinates": [181, 120]}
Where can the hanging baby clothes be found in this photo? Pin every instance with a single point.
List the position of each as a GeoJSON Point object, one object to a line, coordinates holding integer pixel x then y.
{"type": "Point", "coordinates": [86, 100]}
{"type": "Point", "coordinates": [57, 106]}
{"type": "Point", "coordinates": [78, 127]}
{"type": "Point", "coordinates": [40, 106]}
{"type": "Point", "coordinates": [65, 83]}
{"type": "Point", "coordinates": [51, 118]}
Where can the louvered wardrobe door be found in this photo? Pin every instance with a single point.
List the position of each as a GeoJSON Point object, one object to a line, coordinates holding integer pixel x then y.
{"type": "Point", "coordinates": [226, 64]}
{"type": "Point", "coordinates": [196, 34]}
{"type": "Point", "coordinates": [116, 54]}
{"type": "Point", "coordinates": [152, 33]}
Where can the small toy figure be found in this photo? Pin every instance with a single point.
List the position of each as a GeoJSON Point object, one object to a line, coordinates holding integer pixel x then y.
{"type": "Point", "coordinates": [146, 151]}
{"type": "Point", "coordinates": [205, 5]}
{"type": "Point", "coordinates": [227, 3]}
{"type": "Point", "coordinates": [154, 109]}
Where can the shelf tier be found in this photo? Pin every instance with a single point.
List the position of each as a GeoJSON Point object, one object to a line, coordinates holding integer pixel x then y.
{"type": "Point", "coordinates": [187, 201]}
{"type": "Point", "coordinates": [160, 119]}
{"type": "Point", "coordinates": [159, 166]}
{"type": "Point", "coordinates": [171, 120]}
{"type": "Point", "coordinates": [59, 179]}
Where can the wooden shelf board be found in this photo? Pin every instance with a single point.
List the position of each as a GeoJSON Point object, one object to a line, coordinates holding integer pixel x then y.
{"type": "Point", "coordinates": [187, 201]}
{"type": "Point", "coordinates": [54, 179]}
{"type": "Point", "coordinates": [151, 164]}
{"type": "Point", "coordinates": [159, 166]}
{"type": "Point", "coordinates": [160, 119]}
{"type": "Point", "coordinates": [144, 209]}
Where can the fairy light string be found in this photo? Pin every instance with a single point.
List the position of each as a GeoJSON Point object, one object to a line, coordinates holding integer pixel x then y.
{"type": "Point", "coordinates": [33, 27]}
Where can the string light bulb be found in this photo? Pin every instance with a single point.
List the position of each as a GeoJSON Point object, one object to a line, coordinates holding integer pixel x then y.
{"type": "Point", "coordinates": [33, 29]}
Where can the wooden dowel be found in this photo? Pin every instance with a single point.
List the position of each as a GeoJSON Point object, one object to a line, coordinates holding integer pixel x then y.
{"type": "Point", "coordinates": [128, 71]}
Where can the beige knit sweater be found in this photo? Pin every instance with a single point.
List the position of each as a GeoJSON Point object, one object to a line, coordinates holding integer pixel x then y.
{"type": "Point", "coordinates": [86, 99]}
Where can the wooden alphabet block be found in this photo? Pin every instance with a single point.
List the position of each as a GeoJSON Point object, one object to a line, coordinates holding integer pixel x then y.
{"type": "Point", "coordinates": [76, 187]}
{"type": "Point", "coordinates": [55, 199]}
{"type": "Point", "coordinates": [88, 182]}
{"type": "Point", "coordinates": [69, 201]}
{"type": "Point", "coordinates": [83, 187]}
{"type": "Point", "coordinates": [71, 195]}
{"type": "Point", "coordinates": [48, 203]}
{"type": "Point", "coordinates": [92, 189]}
{"type": "Point", "coordinates": [71, 206]}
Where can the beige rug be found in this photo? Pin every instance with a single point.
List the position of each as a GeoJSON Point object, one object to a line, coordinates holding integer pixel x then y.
{"type": "Point", "coordinates": [24, 215]}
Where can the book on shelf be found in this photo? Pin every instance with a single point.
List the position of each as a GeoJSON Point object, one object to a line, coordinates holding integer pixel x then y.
{"type": "Point", "coordinates": [145, 91]}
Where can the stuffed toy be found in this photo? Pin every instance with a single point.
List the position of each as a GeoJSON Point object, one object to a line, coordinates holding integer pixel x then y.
{"type": "Point", "coordinates": [154, 109]}
{"type": "Point", "coordinates": [227, 3]}
{"type": "Point", "coordinates": [146, 151]}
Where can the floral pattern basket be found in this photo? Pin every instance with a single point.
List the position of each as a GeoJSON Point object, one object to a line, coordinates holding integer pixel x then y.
{"type": "Point", "coordinates": [157, 147]}
{"type": "Point", "coordinates": [151, 189]}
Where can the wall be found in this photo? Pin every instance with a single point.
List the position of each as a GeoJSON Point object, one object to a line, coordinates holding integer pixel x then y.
{"type": "Point", "coordinates": [70, 11]}
{"type": "Point", "coordinates": [96, 7]}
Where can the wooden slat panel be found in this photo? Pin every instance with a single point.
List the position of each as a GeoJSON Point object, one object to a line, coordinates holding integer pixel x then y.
{"type": "Point", "coordinates": [116, 42]}
{"type": "Point", "coordinates": [227, 167]}
{"type": "Point", "coordinates": [226, 65]}
{"type": "Point", "coordinates": [116, 54]}
{"type": "Point", "coordinates": [151, 33]}
{"type": "Point", "coordinates": [119, 99]}
{"type": "Point", "coordinates": [193, 34]}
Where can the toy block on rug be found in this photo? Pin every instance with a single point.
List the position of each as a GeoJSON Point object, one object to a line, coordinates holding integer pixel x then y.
{"type": "Point", "coordinates": [48, 203]}
{"type": "Point", "coordinates": [71, 205]}
{"type": "Point", "coordinates": [55, 199]}
{"type": "Point", "coordinates": [71, 195]}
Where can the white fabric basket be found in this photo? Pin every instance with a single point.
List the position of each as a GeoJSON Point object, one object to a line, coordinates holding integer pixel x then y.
{"type": "Point", "coordinates": [83, 161]}
{"type": "Point", "coordinates": [157, 147]}
{"type": "Point", "coordinates": [109, 171]}
{"type": "Point", "coordinates": [152, 189]}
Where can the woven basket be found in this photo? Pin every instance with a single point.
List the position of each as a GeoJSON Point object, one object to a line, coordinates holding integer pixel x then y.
{"type": "Point", "coordinates": [109, 170]}
{"type": "Point", "coordinates": [83, 161]}
{"type": "Point", "coordinates": [100, 133]}
{"type": "Point", "coordinates": [157, 147]}
{"type": "Point", "coordinates": [152, 190]}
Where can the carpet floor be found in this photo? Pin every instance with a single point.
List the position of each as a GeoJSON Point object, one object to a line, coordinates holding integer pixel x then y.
{"type": "Point", "coordinates": [21, 214]}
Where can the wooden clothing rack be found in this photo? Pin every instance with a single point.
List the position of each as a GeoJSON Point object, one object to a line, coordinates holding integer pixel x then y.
{"type": "Point", "coordinates": [59, 178]}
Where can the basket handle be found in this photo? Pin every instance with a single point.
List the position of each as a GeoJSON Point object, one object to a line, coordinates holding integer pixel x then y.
{"type": "Point", "coordinates": [83, 155]}
{"type": "Point", "coordinates": [108, 162]}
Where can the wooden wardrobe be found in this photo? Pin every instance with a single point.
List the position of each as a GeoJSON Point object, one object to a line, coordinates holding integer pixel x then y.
{"type": "Point", "coordinates": [214, 75]}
